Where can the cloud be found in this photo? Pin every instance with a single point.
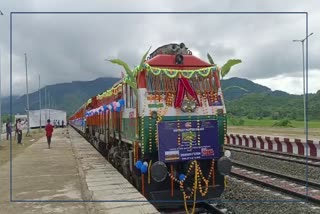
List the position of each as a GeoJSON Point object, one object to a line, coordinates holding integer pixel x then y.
{"type": "Point", "coordinates": [292, 84]}
{"type": "Point", "coordinates": [64, 48]}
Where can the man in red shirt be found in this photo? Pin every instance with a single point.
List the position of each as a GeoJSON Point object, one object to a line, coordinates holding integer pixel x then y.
{"type": "Point", "coordinates": [49, 130]}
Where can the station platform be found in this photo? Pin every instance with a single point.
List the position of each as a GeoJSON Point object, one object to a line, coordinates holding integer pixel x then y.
{"type": "Point", "coordinates": [59, 179]}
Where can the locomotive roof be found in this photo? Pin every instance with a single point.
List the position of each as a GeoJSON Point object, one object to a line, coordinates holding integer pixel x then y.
{"type": "Point", "coordinates": [164, 60]}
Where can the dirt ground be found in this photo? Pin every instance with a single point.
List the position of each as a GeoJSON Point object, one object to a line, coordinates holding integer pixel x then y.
{"type": "Point", "coordinates": [313, 133]}
{"type": "Point", "coordinates": [16, 148]}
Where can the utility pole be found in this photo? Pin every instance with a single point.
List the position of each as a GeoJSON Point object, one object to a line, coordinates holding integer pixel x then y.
{"type": "Point", "coordinates": [0, 95]}
{"type": "Point", "coordinates": [45, 102]}
{"type": "Point", "coordinates": [0, 100]}
{"type": "Point", "coordinates": [40, 102]}
{"type": "Point", "coordinates": [28, 131]}
{"type": "Point", "coordinates": [304, 87]}
{"type": "Point", "coordinates": [49, 98]}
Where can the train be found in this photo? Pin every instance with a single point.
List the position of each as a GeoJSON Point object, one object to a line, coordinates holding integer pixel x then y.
{"type": "Point", "coordinates": [163, 125]}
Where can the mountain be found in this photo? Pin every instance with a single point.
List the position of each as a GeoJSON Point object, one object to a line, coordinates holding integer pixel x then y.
{"type": "Point", "coordinates": [243, 98]}
{"type": "Point", "coordinates": [275, 105]}
{"type": "Point", "coordinates": [235, 88]}
{"type": "Point", "coordinates": [65, 96]}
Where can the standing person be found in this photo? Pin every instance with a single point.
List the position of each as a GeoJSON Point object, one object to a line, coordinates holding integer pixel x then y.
{"type": "Point", "coordinates": [58, 123]}
{"type": "Point", "coordinates": [15, 130]}
{"type": "Point", "coordinates": [8, 129]}
{"type": "Point", "coordinates": [49, 130]}
{"type": "Point", "coordinates": [62, 123]}
{"type": "Point", "coordinates": [19, 131]}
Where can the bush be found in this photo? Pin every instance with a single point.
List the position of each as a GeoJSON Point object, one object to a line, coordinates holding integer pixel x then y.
{"type": "Point", "coordinates": [235, 121]}
{"type": "Point", "coordinates": [283, 123]}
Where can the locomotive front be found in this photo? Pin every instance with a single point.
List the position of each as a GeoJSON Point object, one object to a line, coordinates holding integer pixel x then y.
{"type": "Point", "coordinates": [182, 127]}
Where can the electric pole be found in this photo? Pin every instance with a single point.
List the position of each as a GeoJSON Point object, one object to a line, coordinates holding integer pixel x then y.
{"type": "Point", "coordinates": [28, 131]}
{"type": "Point", "coordinates": [40, 102]}
{"type": "Point", "coordinates": [45, 102]}
{"type": "Point", "coordinates": [0, 95]}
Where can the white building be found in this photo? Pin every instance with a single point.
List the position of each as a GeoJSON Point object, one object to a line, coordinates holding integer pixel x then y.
{"type": "Point", "coordinates": [52, 114]}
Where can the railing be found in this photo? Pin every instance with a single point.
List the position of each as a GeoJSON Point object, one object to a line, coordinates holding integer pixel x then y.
{"type": "Point", "coordinates": [278, 144]}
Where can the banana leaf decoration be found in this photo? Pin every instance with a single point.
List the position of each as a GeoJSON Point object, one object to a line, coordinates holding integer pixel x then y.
{"type": "Point", "coordinates": [210, 59]}
{"type": "Point", "coordinates": [131, 75]}
{"type": "Point", "coordinates": [226, 67]}
{"type": "Point", "coordinates": [144, 58]}
{"type": "Point", "coordinates": [124, 65]}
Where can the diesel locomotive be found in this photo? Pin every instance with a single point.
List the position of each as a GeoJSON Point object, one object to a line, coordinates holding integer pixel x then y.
{"type": "Point", "coordinates": [163, 126]}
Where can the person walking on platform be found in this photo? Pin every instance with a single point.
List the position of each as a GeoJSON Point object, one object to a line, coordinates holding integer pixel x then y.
{"type": "Point", "coordinates": [49, 130]}
{"type": "Point", "coordinates": [19, 131]}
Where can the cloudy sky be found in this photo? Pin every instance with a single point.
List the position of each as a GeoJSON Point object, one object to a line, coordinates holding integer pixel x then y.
{"type": "Point", "coordinates": [69, 47]}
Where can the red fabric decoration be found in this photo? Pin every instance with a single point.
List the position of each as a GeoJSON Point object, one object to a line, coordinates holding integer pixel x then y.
{"type": "Point", "coordinates": [183, 87]}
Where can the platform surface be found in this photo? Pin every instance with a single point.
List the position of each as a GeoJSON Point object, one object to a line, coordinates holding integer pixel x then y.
{"type": "Point", "coordinates": [68, 173]}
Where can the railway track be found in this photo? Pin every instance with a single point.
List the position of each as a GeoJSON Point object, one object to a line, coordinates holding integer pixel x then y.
{"type": "Point", "coordinates": [282, 183]}
{"type": "Point", "coordinates": [276, 155]}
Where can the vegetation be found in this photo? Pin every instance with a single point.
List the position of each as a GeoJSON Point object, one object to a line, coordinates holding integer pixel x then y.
{"type": "Point", "coordinates": [266, 105]}
{"type": "Point", "coordinates": [267, 122]}
{"type": "Point", "coordinates": [283, 123]}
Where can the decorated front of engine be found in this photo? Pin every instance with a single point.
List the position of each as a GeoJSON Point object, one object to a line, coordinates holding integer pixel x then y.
{"type": "Point", "coordinates": [182, 129]}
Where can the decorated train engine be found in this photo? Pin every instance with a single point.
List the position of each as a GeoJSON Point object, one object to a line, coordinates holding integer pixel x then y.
{"type": "Point", "coordinates": [163, 126]}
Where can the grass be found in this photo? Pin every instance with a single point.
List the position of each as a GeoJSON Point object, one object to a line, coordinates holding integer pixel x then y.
{"type": "Point", "coordinates": [269, 123]}
{"type": "Point", "coordinates": [265, 127]}
{"type": "Point", "coordinates": [17, 149]}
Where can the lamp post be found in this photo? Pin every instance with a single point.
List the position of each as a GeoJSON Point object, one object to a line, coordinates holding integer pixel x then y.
{"type": "Point", "coordinates": [40, 104]}
{"type": "Point", "coordinates": [304, 87]}
{"type": "Point", "coordinates": [28, 131]}
{"type": "Point", "coordinates": [0, 95]}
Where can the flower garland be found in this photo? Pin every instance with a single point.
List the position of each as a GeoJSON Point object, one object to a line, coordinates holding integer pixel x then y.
{"type": "Point", "coordinates": [159, 117]}
{"type": "Point", "coordinates": [171, 73]}
{"type": "Point", "coordinates": [200, 177]}
{"type": "Point", "coordinates": [142, 128]}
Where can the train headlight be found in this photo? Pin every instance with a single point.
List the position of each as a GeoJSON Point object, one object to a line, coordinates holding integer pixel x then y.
{"type": "Point", "coordinates": [188, 106]}
{"type": "Point", "coordinates": [159, 171]}
{"type": "Point", "coordinates": [224, 165]}
{"type": "Point", "coordinates": [227, 153]}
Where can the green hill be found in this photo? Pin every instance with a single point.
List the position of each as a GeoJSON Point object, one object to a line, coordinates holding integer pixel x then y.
{"type": "Point", "coordinates": [243, 97]}
{"type": "Point", "coordinates": [65, 96]}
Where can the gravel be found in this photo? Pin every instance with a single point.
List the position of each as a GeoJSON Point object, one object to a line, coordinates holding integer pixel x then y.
{"type": "Point", "coordinates": [238, 191]}
{"type": "Point", "coordinates": [284, 167]}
